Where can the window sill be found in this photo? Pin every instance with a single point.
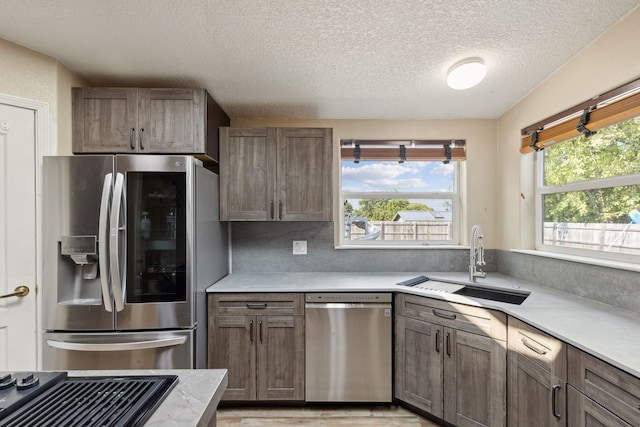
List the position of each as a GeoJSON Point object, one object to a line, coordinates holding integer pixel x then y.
{"type": "Point", "coordinates": [584, 260]}
{"type": "Point", "coordinates": [418, 247]}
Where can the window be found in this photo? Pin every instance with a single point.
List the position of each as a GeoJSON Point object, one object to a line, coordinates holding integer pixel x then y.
{"type": "Point", "coordinates": [588, 186]}
{"type": "Point", "coordinates": [400, 192]}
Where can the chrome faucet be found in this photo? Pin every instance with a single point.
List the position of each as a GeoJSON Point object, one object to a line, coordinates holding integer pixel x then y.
{"type": "Point", "coordinates": [476, 254]}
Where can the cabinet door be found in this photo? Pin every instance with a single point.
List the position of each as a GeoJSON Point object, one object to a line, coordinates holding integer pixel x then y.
{"type": "Point", "coordinates": [419, 364]}
{"type": "Point", "coordinates": [280, 353]}
{"type": "Point", "coordinates": [536, 396]}
{"type": "Point", "coordinates": [475, 368]}
{"type": "Point", "coordinates": [105, 120]}
{"type": "Point", "coordinates": [247, 174]}
{"type": "Point", "coordinates": [232, 347]}
{"type": "Point", "coordinates": [304, 174]}
{"type": "Point", "coordinates": [584, 412]}
{"type": "Point", "coordinates": [171, 120]}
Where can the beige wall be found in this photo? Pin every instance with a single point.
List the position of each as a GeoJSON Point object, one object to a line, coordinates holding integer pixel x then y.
{"type": "Point", "coordinates": [31, 75]}
{"type": "Point", "coordinates": [609, 62]}
{"type": "Point", "coordinates": [479, 196]}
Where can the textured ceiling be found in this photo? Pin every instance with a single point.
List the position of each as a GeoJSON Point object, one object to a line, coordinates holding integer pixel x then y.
{"type": "Point", "coordinates": [317, 59]}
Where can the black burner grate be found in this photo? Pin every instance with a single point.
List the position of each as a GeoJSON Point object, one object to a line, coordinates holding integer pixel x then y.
{"type": "Point", "coordinates": [94, 401]}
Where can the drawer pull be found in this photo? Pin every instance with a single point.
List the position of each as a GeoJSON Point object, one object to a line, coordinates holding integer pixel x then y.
{"type": "Point", "coordinates": [532, 347]}
{"type": "Point", "coordinates": [257, 305]}
{"type": "Point", "coordinates": [448, 344]}
{"type": "Point", "coordinates": [438, 341]}
{"type": "Point", "coordinates": [554, 398]}
{"type": "Point", "coordinates": [251, 330]}
{"type": "Point", "coordinates": [444, 315]}
{"type": "Point", "coordinates": [260, 330]}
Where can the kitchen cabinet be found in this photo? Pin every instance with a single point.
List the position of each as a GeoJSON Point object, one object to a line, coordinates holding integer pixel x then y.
{"type": "Point", "coordinates": [275, 174]}
{"type": "Point", "coordinates": [259, 338]}
{"type": "Point", "coordinates": [537, 374]}
{"type": "Point", "coordinates": [451, 360]}
{"type": "Point", "coordinates": [601, 394]}
{"type": "Point", "coordinates": [150, 120]}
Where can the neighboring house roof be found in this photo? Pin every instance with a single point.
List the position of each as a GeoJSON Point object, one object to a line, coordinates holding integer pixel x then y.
{"type": "Point", "coordinates": [423, 216]}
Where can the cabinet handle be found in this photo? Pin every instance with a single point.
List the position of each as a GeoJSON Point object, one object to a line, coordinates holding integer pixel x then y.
{"type": "Point", "coordinates": [272, 212]}
{"type": "Point", "coordinates": [260, 329]}
{"type": "Point", "coordinates": [251, 330]}
{"type": "Point", "coordinates": [448, 344]}
{"type": "Point", "coordinates": [280, 209]}
{"type": "Point", "coordinates": [141, 140]}
{"type": "Point", "coordinates": [444, 315]}
{"type": "Point", "coordinates": [132, 135]}
{"type": "Point", "coordinates": [533, 347]}
{"type": "Point", "coordinates": [554, 397]}
{"type": "Point", "coordinates": [256, 305]}
{"type": "Point", "coordinates": [438, 341]}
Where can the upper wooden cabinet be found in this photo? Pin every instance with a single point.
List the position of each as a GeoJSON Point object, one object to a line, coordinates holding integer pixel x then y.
{"type": "Point", "coordinates": [132, 120]}
{"type": "Point", "coordinates": [275, 174]}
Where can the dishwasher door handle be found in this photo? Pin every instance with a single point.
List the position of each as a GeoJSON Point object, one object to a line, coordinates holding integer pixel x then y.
{"type": "Point", "coordinates": [347, 305]}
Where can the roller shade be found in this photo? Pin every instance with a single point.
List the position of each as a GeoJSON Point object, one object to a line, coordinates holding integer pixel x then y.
{"type": "Point", "coordinates": [403, 150]}
{"type": "Point", "coordinates": [615, 106]}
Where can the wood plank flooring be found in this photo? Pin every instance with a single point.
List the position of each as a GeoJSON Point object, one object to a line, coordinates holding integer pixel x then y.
{"type": "Point", "coordinates": [324, 416]}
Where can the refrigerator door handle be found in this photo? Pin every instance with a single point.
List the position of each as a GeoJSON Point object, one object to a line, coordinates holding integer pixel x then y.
{"type": "Point", "coordinates": [114, 242]}
{"type": "Point", "coordinates": [117, 346]}
{"type": "Point", "coordinates": [103, 236]}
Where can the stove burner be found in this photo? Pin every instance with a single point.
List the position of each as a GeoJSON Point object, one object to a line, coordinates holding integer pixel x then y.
{"type": "Point", "coordinates": [53, 399]}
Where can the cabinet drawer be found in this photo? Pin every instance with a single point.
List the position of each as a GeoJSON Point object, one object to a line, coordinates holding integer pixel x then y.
{"type": "Point", "coordinates": [542, 349]}
{"type": "Point", "coordinates": [612, 388]}
{"type": "Point", "coordinates": [476, 320]}
{"type": "Point", "coordinates": [271, 304]}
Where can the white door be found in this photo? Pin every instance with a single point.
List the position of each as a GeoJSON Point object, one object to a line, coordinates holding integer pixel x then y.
{"type": "Point", "coordinates": [17, 238]}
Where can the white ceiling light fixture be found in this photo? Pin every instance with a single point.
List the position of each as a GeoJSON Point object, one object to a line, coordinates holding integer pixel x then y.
{"type": "Point", "coordinates": [466, 73]}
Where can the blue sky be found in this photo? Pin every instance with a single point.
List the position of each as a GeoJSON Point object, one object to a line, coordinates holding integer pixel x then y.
{"type": "Point", "coordinates": [393, 176]}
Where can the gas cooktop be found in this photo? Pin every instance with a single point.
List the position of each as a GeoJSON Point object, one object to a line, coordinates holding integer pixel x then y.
{"type": "Point", "coordinates": [39, 399]}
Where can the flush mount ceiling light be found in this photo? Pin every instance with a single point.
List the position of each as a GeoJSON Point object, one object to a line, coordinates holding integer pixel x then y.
{"type": "Point", "coordinates": [466, 73]}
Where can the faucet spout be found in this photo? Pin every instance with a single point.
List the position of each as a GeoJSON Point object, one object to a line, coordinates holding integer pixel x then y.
{"type": "Point", "coordinates": [476, 254]}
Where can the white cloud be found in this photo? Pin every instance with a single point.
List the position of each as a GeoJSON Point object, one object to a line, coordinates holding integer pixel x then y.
{"type": "Point", "coordinates": [443, 169]}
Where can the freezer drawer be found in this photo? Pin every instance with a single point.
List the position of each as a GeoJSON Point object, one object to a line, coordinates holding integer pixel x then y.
{"type": "Point", "coordinates": [119, 350]}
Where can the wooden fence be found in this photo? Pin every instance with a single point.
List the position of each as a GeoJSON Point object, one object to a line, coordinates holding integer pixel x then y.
{"type": "Point", "coordinates": [408, 230]}
{"type": "Point", "coordinates": [622, 238]}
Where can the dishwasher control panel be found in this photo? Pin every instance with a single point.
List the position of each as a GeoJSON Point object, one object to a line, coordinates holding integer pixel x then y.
{"type": "Point", "coordinates": [349, 297]}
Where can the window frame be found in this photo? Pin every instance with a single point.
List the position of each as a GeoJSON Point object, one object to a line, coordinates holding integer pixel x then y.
{"type": "Point", "coordinates": [543, 190]}
{"type": "Point", "coordinates": [453, 195]}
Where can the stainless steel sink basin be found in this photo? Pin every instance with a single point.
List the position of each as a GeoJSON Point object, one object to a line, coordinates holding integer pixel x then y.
{"type": "Point", "coordinates": [493, 294]}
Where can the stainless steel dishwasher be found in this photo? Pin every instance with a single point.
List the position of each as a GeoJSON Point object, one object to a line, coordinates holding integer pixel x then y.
{"type": "Point", "coordinates": [348, 347]}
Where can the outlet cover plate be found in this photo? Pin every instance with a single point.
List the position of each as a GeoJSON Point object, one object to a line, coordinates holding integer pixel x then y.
{"type": "Point", "coordinates": [299, 247]}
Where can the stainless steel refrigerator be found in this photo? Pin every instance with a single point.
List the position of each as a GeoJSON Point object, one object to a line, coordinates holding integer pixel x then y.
{"type": "Point", "coordinates": [130, 245]}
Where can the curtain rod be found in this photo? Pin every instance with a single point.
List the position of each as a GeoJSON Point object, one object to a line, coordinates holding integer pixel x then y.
{"type": "Point", "coordinates": [576, 109]}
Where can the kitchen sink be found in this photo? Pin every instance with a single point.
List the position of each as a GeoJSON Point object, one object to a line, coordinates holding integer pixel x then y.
{"type": "Point", "coordinates": [493, 294]}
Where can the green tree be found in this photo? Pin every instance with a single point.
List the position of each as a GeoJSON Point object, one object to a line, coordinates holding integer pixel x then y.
{"type": "Point", "coordinates": [386, 209]}
{"type": "Point", "coordinates": [612, 151]}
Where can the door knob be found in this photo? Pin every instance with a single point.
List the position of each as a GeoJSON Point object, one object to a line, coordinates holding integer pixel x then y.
{"type": "Point", "coordinates": [20, 291]}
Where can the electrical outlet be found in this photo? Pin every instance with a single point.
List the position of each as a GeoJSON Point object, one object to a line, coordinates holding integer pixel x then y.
{"type": "Point", "coordinates": [299, 247]}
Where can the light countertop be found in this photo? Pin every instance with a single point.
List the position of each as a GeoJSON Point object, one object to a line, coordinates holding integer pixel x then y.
{"type": "Point", "coordinates": [607, 332]}
{"type": "Point", "coordinates": [192, 402]}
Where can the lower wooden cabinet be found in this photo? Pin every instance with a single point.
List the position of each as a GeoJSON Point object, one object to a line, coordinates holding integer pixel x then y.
{"type": "Point", "coordinates": [536, 377]}
{"type": "Point", "coordinates": [602, 392]}
{"type": "Point", "coordinates": [584, 412]}
{"type": "Point", "coordinates": [259, 339]}
{"type": "Point", "coordinates": [444, 368]}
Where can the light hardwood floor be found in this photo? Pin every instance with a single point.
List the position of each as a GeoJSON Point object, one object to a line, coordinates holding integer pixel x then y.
{"type": "Point", "coordinates": [325, 416]}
